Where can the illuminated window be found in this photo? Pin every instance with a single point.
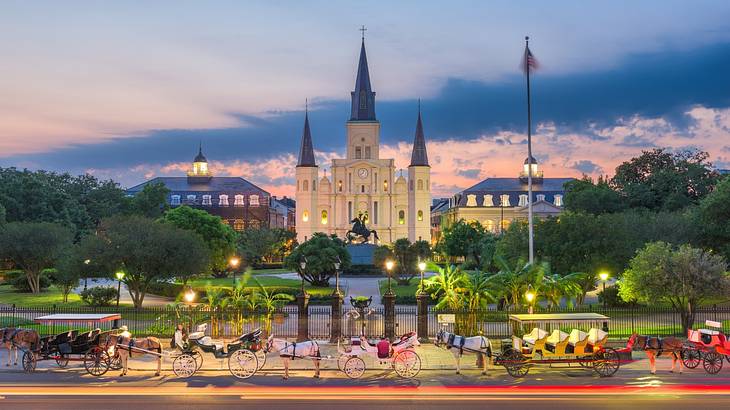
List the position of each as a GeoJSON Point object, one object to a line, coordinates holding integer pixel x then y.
{"type": "Point", "coordinates": [206, 200]}
{"type": "Point", "coordinates": [238, 225]}
{"type": "Point", "coordinates": [489, 225]}
{"type": "Point", "coordinates": [238, 200]}
{"type": "Point", "coordinates": [191, 198]}
{"type": "Point", "coordinates": [305, 216]}
{"type": "Point", "coordinates": [339, 185]}
{"type": "Point", "coordinates": [558, 200]}
{"type": "Point", "coordinates": [324, 217]}
{"type": "Point", "coordinates": [504, 200]}
{"type": "Point", "coordinates": [253, 200]}
{"type": "Point", "coordinates": [505, 224]}
{"type": "Point", "coordinates": [420, 215]}
{"type": "Point", "coordinates": [305, 185]}
{"type": "Point", "coordinates": [401, 217]}
{"type": "Point", "coordinates": [523, 200]}
{"type": "Point", "coordinates": [223, 200]}
{"type": "Point", "coordinates": [175, 200]}
{"type": "Point", "coordinates": [254, 224]}
{"type": "Point", "coordinates": [488, 200]}
{"type": "Point", "coordinates": [471, 200]}
{"type": "Point", "coordinates": [385, 186]}
{"type": "Point", "coordinates": [420, 185]}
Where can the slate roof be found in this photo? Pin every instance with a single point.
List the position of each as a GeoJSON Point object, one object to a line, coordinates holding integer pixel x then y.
{"type": "Point", "coordinates": [419, 156]}
{"type": "Point", "coordinates": [213, 184]}
{"type": "Point", "coordinates": [362, 85]}
{"type": "Point", "coordinates": [513, 187]}
{"type": "Point", "coordinates": [306, 150]}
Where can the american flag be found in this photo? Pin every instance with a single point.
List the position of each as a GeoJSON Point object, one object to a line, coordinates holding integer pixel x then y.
{"type": "Point", "coordinates": [529, 62]}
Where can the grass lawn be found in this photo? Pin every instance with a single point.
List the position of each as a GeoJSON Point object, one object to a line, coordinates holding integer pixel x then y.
{"type": "Point", "coordinates": [265, 281]}
{"type": "Point", "coordinates": [269, 271]}
{"type": "Point", "coordinates": [49, 297]}
{"type": "Point", "coordinates": [400, 290]}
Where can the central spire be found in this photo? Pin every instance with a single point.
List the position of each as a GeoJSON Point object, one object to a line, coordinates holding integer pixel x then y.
{"type": "Point", "coordinates": [306, 150]}
{"type": "Point", "coordinates": [419, 155]}
{"type": "Point", "coordinates": [363, 98]}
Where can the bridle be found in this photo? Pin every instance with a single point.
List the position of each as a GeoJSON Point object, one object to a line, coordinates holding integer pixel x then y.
{"type": "Point", "coordinates": [439, 337]}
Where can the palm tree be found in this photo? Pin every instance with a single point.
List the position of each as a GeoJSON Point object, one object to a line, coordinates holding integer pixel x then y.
{"type": "Point", "coordinates": [556, 287]}
{"type": "Point", "coordinates": [268, 302]}
{"type": "Point", "coordinates": [479, 290]}
{"type": "Point", "coordinates": [448, 287]}
{"type": "Point", "coordinates": [215, 300]}
{"type": "Point", "coordinates": [515, 282]}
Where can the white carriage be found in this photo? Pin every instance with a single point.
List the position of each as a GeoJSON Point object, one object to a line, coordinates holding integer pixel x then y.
{"type": "Point", "coordinates": [400, 356]}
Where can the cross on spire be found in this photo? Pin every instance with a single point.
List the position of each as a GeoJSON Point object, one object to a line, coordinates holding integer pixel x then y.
{"type": "Point", "coordinates": [363, 30]}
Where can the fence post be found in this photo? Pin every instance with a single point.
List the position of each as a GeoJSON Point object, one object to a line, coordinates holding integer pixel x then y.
{"type": "Point", "coordinates": [389, 313]}
{"type": "Point", "coordinates": [336, 317]}
{"type": "Point", "coordinates": [422, 316]}
{"type": "Point", "coordinates": [302, 316]}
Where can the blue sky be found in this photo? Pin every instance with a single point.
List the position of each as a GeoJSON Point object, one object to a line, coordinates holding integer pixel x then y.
{"type": "Point", "coordinates": [127, 90]}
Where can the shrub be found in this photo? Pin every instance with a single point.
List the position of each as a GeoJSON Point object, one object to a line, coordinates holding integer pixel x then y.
{"type": "Point", "coordinates": [19, 281]}
{"type": "Point", "coordinates": [364, 270]}
{"type": "Point", "coordinates": [611, 297]}
{"type": "Point", "coordinates": [170, 290]}
{"type": "Point", "coordinates": [99, 296]}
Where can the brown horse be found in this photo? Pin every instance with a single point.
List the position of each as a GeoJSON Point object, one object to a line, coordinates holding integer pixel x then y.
{"type": "Point", "coordinates": [655, 346]}
{"type": "Point", "coordinates": [127, 346]}
{"type": "Point", "coordinates": [15, 339]}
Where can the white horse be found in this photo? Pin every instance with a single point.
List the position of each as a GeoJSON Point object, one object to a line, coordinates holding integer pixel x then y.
{"type": "Point", "coordinates": [458, 345]}
{"type": "Point", "coordinates": [293, 350]}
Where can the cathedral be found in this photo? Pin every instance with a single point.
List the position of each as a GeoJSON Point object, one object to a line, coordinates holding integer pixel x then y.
{"type": "Point", "coordinates": [364, 185]}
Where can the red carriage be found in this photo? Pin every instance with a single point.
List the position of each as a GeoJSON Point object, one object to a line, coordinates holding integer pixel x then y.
{"type": "Point", "coordinates": [706, 346]}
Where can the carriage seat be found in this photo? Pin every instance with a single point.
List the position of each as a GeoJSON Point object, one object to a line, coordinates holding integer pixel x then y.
{"type": "Point", "coordinates": [535, 335]}
{"type": "Point", "coordinates": [709, 332]}
{"type": "Point", "coordinates": [250, 336]}
{"type": "Point", "coordinates": [207, 341]}
{"type": "Point", "coordinates": [196, 335]}
{"type": "Point", "coordinates": [596, 335]}
{"type": "Point", "coordinates": [576, 336]}
{"type": "Point", "coordinates": [556, 337]}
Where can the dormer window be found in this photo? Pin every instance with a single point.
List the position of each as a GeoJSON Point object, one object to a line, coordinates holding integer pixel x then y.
{"type": "Point", "coordinates": [523, 200]}
{"type": "Point", "coordinates": [540, 197]}
{"type": "Point", "coordinates": [206, 200]}
{"type": "Point", "coordinates": [504, 200]}
{"type": "Point", "coordinates": [223, 200]}
{"type": "Point", "coordinates": [471, 200]}
{"type": "Point", "coordinates": [558, 200]}
{"type": "Point", "coordinates": [253, 200]}
{"type": "Point", "coordinates": [175, 200]}
{"type": "Point", "coordinates": [488, 200]}
{"type": "Point", "coordinates": [238, 200]}
{"type": "Point", "coordinates": [191, 198]}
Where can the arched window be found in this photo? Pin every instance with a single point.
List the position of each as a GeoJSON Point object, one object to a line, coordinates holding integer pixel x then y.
{"type": "Point", "coordinates": [420, 185]}
{"type": "Point", "coordinates": [385, 186]}
{"type": "Point", "coordinates": [206, 200]}
{"type": "Point", "coordinates": [324, 217]}
{"type": "Point", "coordinates": [238, 225]}
{"type": "Point", "coordinates": [297, 185]}
{"type": "Point", "coordinates": [420, 215]}
{"type": "Point", "coordinates": [238, 200]}
{"type": "Point", "coordinates": [305, 216]}
{"type": "Point", "coordinates": [305, 185]}
{"type": "Point", "coordinates": [471, 200]}
{"type": "Point", "coordinates": [253, 200]}
{"type": "Point", "coordinates": [523, 200]}
{"type": "Point", "coordinates": [401, 217]}
{"type": "Point", "coordinates": [558, 200]}
{"type": "Point", "coordinates": [314, 185]}
{"type": "Point", "coordinates": [339, 185]}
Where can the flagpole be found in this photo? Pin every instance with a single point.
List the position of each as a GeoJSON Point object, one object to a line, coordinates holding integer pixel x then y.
{"type": "Point", "coordinates": [529, 156]}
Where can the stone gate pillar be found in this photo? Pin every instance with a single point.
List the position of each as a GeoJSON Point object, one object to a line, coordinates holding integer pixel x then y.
{"type": "Point", "coordinates": [422, 316]}
{"type": "Point", "coordinates": [389, 312]}
{"type": "Point", "coordinates": [302, 317]}
{"type": "Point", "coordinates": [336, 317]}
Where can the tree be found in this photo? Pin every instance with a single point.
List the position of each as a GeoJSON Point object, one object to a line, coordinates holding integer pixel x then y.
{"type": "Point", "coordinates": [2, 215]}
{"type": "Point", "coordinates": [68, 271]}
{"type": "Point", "coordinates": [219, 238]}
{"type": "Point", "coordinates": [512, 246]}
{"type": "Point", "coordinates": [468, 240]}
{"type": "Point", "coordinates": [33, 247]}
{"type": "Point", "coordinates": [149, 251]}
{"type": "Point", "coordinates": [714, 218]}
{"type": "Point", "coordinates": [664, 180]}
{"type": "Point", "coordinates": [406, 256]}
{"type": "Point", "coordinates": [683, 277]}
{"type": "Point", "coordinates": [320, 252]}
{"type": "Point", "coordinates": [582, 195]}
{"type": "Point", "coordinates": [264, 245]}
{"type": "Point", "coordinates": [150, 202]}
{"type": "Point", "coordinates": [447, 286]}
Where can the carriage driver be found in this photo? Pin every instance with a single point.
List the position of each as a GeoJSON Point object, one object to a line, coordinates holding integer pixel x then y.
{"type": "Point", "coordinates": [125, 332]}
{"type": "Point", "coordinates": [384, 348]}
{"type": "Point", "coordinates": [180, 340]}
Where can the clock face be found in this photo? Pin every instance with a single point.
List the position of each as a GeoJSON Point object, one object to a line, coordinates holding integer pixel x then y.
{"type": "Point", "coordinates": [362, 172]}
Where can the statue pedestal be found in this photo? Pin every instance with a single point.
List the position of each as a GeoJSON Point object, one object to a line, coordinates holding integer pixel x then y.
{"type": "Point", "coordinates": [361, 254]}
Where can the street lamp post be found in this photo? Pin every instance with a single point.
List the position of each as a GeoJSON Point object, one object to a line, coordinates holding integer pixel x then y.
{"type": "Point", "coordinates": [337, 264]}
{"type": "Point", "coordinates": [604, 277]}
{"type": "Point", "coordinates": [303, 266]}
{"type": "Point", "coordinates": [86, 272]}
{"type": "Point", "coordinates": [233, 262]}
{"type": "Point", "coordinates": [389, 268]}
{"type": "Point", "coordinates": [530, 296]}
{"type": "Point", "coordinates": [120, 276]}
{"type": "Point", "coordinates": [422, 269]}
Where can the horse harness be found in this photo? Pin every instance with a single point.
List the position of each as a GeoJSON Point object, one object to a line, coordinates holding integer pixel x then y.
{"type": "Point", "coordinates": [450, 342]}
{"type": "Point", "coordinates": [293, 354]}
{"type": "Point", "coordinates": [10, 338]}
{"type": "Point", "coordinates": [658, 348]}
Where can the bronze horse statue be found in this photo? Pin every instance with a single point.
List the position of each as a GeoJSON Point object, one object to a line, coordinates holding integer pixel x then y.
{"type": "Point", "coordinates": [359, 230]}
{"type": "Point", "coordinates": [655, 347]}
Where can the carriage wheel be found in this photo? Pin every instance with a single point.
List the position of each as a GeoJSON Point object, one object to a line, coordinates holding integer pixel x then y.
{"type": "Point", "coordinates": [243, 363]}
{"type": "Point", "coordinates": [515, 363]}
{"type": "Point", "coordinates": [61, 360]}
{"type": "Point", "coordinates": [115, 362]}
{"type": "Point", "coordinates": [184, 366]}
{"type": "Point", "coordinates": [407, 364]}
{"type": "Point", "coordinates": [354, 367]}
{"type": "Point", "coordinates": [261, 357]}
{"type": "Point", "coordinates": [341, 361]}
{"type": "Point", "coordinates": [691, 358]}
{"type": "Point", "coordinates": [727, 358]}
{"type": "Point", "coordinates": [97, 361]}
{"type": "Point", "coordinates": [606, 362]}
{"type": "Point", "coordinates": [712, 362]}
{"type": "Point", "coordinates": [29, 361]}
{"type": "Point", "coordinates": [586, 362]}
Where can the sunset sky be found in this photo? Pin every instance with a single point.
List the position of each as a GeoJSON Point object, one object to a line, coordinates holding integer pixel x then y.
{"type": "Point", "coordinates": [127, 90]}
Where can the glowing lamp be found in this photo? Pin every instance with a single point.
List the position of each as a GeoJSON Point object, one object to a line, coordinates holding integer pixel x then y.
{"type": "Point", "coordinates": [119, 275]}
{"type": "Point", "coordinates": [189, 295]}
{"type": "Point", "coordinates": [234, 262]}
{"type": "Point", "coordinates": [603, 276]}
{"type": "Point", "coordinates": [422, 266]}
{"type": "Point", "coordinates": [389, 265]}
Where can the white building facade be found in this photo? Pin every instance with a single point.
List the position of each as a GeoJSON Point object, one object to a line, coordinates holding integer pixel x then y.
{"type": "Point", "coordinates": [363, 184]}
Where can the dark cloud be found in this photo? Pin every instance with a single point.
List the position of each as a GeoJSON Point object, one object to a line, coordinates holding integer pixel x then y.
{"type": "Point", "coordinates": [653, 85]}
{"type": "Point", "coordinates": [587, 167]}
{"type": "Point", "coordinates": [469, 173]}
{"type": "Point", "coordinates": [636, 141]}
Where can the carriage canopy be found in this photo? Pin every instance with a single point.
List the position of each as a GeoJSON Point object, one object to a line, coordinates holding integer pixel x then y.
{"type": "Point", "coordinates": [523, 323]}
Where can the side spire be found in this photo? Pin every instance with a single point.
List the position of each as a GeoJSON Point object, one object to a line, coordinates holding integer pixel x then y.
{"type": "Point", "coordinates": [306, 150]}
{"type": "Point", "coordinates": [363, 98]}
{"type": "Point", "coordinates": [419, 156]}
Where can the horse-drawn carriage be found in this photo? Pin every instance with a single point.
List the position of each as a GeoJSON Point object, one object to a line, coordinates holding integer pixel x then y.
{"type": "Point", "coordinates": [557, 348]}
{"type": "Point", "coordinates": [245, 354]}
{"type": "Point", "coordinates": [93, 347]}
{"type": "Point", "coordinates": [706, 346]}
{"type": "Point", "coordinates": [400, 356]}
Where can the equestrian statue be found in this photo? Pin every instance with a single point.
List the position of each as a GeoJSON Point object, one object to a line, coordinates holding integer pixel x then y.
{"type": "Point", "coordinates": [359, 232]}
